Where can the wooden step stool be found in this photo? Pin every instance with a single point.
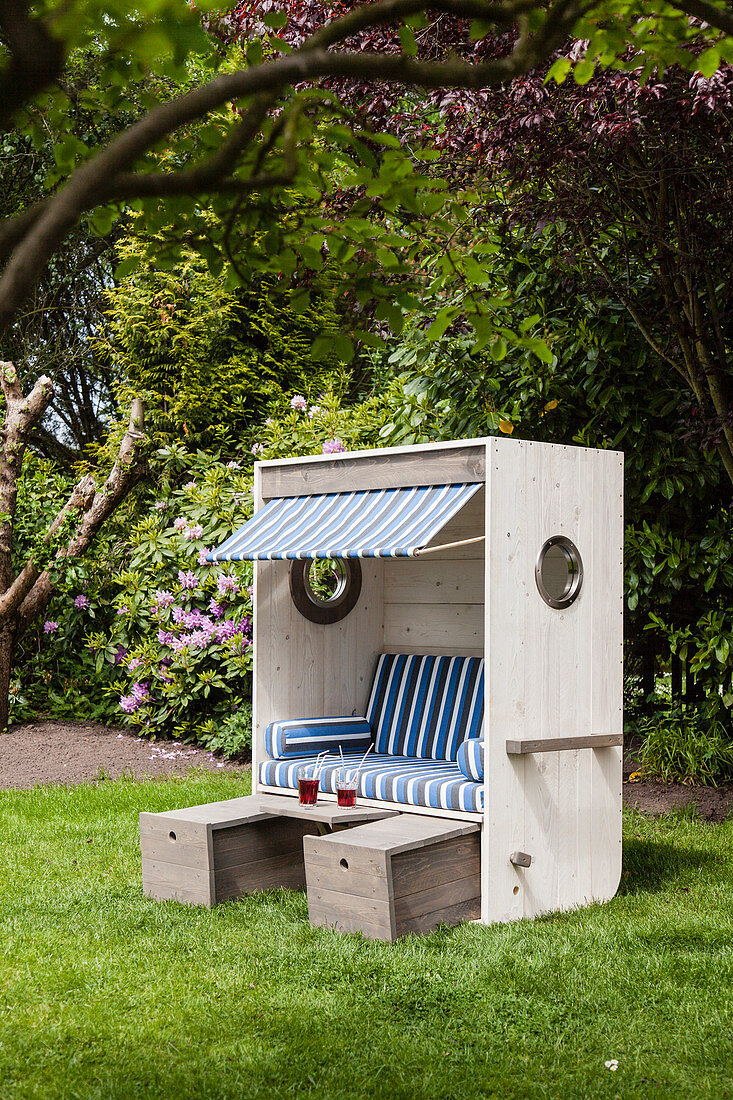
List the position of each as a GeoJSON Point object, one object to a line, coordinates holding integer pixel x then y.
{"type": "Point", "coordinates": [407, 874]}
{"type": "Point", "coordinates": [221, 850]}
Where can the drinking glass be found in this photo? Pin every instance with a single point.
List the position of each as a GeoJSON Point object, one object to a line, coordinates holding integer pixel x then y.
{"type": "Point", "coordinates": [307, 785]}
{"type": "Point", "coordinates": [346, 788]}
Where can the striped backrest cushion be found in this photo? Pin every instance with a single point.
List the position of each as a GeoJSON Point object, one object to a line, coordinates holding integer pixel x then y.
{"type": "Point", "coordinates": [304, 736]}
{"type": "Point", "coordinates": [426, 706]}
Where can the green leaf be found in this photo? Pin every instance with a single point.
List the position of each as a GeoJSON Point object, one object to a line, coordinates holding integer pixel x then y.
{"type": "Point", "coordinates": [559, 70]}
{"type": "Point", "coordinates": [274, 19]}
{"type": "Point", "coordinates": [584, 70]}
{"type": "Point", "coordinates": [709, 61]}
{"type": "Point", "coordinates": [407, 40]}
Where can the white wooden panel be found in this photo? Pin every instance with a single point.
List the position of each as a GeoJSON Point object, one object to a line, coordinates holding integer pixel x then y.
{"type": "Point", "coordinates": [434, 580]}
{"type": "Point", "coordinates": [546, 668]}
{"type": "Point", "coordinates": [439, 625]}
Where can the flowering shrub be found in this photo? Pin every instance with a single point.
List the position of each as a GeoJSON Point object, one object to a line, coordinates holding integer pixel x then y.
{"type": "Point", "coordinates": [302, 427]}
{"type": "Point", "coordinates": [181, 641]}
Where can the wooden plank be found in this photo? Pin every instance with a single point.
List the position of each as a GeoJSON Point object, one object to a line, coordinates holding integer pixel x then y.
{"type": "Point", "coordinates": [458, 464]}
{"type": "Point", "coordinates": [442, 863]}
{"type": "Point", "coordinates": [342, 881]}
{"type": "Point", "coordinates": [437, 898]}
{"type": "Point", "coordinates": [321, 917]}
{"type": "Point", "coordinates": [399, 834]}
{"type": "Point", "coordinates": [285, 870]}
{"type": "Point", "coordinates": [349, 912]}
{"type": "Point", "coordinates": [232, 811]}
{"type": "Point", "coordinates": [452, 914]}
{"type": "Point", "coordinates": [433, 581]}
{"type": "Point", "coordinates": [163, 880]}
{"type": "Point", "coordinates": [362, 861]}
{"type": "Point", "coordinates": [400, 807]}
{"type": "Point", "coordinates": [441, 624]}
{"type": "Point", "coordinates": [327, 812]}
{"type": "Point", "coordinates": [562, 744]}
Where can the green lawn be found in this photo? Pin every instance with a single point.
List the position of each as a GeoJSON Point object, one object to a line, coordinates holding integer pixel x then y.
{"type": "Point", "coordinates": [106, 994]}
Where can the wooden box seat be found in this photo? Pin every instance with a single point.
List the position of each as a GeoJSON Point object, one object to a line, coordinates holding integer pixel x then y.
{"type": "Point", "coordinates": [396, 876]}
{"type": "Point", "coordinates": [211, 853]}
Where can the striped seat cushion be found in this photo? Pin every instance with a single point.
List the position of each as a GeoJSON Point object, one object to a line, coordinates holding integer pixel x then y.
{"type": "Point", "coordinates": [301, 736]}
{"type": "Point", "coordinates": [426, 706]}
{"type": "Point", "coordinates": [430, 783]}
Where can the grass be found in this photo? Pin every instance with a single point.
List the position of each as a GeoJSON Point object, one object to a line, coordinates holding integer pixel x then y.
{"type": "Point", "coordinates": [108, 995]}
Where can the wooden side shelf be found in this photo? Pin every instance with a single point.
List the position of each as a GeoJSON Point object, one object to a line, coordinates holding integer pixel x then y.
{"type": "Point", "coordinates": [389, 878]}
{"type": "Point", "coordinates": [561, 744]}
{"type": "Point", "coordinates": [221, 850]}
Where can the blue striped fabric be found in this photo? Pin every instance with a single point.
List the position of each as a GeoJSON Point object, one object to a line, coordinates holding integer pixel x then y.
{"type": "Point", "coordinates": [470, 759]}
{"type": "Point", "coordinates": [430, 783]}
{"type": "Point", "coordinates": [375, 523]}
{"type": "Point", "coordinates": [426, 706]}
{"type": "Point", "coordinates": [300, 736]}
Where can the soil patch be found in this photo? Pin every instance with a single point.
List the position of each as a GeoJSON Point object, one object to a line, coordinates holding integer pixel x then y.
{"type": "Point", "coordinates": [77, 752]}
{"type": "Point", "coordinates": [711, 803]}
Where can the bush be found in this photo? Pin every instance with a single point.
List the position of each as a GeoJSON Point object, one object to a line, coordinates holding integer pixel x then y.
{"type": "Point", "coordinates": [181, 644]}
{"type": "Point", "coordinates": [686, 746]}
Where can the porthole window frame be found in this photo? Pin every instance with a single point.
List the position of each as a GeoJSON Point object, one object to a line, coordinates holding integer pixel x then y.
{"type": "Point", "coordinates": [575, 584]}
{"type": "Point", "coordinates": [325, 612]}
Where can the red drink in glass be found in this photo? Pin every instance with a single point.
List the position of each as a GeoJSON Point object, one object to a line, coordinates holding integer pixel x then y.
{"type": "Point", "coordinates": [346, 796]}
{"type": "Point", "coordinates": [308, 791]}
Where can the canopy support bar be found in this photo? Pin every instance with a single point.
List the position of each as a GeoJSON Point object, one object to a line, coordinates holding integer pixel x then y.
{"type": "Point", "coordinates": [448, 546]}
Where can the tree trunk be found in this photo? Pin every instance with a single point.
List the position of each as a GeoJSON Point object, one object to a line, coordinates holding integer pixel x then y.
{"type": "Point", "coordinates": [7, 641]}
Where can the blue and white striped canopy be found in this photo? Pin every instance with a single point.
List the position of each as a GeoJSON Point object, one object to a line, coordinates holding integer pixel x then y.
{"type": "Point", "coordinates": [374, 523]}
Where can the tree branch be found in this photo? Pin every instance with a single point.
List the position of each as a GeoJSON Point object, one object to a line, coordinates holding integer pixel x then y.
{"type": "Point", "coordinates": [33, 589]}
{"type": "Point", "coordinates": [36, 58]}
{"type": "Point", "coordinates": [88, 185]}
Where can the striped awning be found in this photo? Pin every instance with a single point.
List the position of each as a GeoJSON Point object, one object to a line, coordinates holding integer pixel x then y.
{"type": "Point", "coordinates": [374, 523]}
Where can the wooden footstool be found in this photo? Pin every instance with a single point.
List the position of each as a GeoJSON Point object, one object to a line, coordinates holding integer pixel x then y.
{"type": "Point", "coordinates": [221, 850]}
{"type": "Point", "coordinates": [408, 874]}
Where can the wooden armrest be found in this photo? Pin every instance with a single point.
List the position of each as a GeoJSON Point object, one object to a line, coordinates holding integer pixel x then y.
{"type": "Point", "coordinates": [559, 744]}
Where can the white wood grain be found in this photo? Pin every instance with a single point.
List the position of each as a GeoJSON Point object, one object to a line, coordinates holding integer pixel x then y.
{"type": "Point", "coordinates": [552, 673]}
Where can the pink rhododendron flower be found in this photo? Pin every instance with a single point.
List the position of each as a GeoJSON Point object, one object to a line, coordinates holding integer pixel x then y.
{"type": "Point", "coordinates": [187, 579]}
{"type": "Point", "coordinates": [81, 603]}
{"type": "Point", "coordinates": [227, 585]}
{"type": "Point", "coordinates": [194, 532]}
{"type": "Point", "coordinates": [135, 662]}
{"type": "Point", "coordinates": [314, 411]}
{"type": "Point", "coordinates": [129, 704]}
{"type": "Point", "coordinates": [298, 402]}
{"type": "Point", "coordinates": [215, 608]}
{"type": "Point", "coordinates": [189, 486]}
{"type": "Point", "coordinates": [123, 610]}
{"type": "Point", "coordinates": [258, 449]}
{"type": "Point", "coordinates": [333, 447]}
{"type": "Point", "coordinates": [164, 598]}
{"type": "Point", "coordinates": [178, 615]}
{"type": "Point", "coordinates": [203, 556]}
{"type": "Point", "coordinates": [161, 505]}
{"type": "Point", "coordinates": [50, 627]}
{"type": "Point", "coordinates": [140, 692]}
{"type": "Point", "coordinates": [165, 637]}
{"type": "Point", "coordinates": [179, 524]}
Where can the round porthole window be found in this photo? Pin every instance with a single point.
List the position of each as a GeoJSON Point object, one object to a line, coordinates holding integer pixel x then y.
{"type": "Point", "coordinates": [325, 590]}
{"type": "Point", "coordinates": [559, 572]}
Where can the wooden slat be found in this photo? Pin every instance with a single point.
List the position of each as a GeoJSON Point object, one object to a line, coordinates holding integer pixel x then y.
{"type": "Point", "coordinates": [327, 812]}
{"type": "Point", "coordinates": [321, 916]}
{"type": "Point", "coordinates": [437, 898]}
{"type": "Point", "coordinates": [433, 582]}
{"type": "Point", "coordinates": [443, 863]}
{"type": "Point", "coordinates": [285, 870]}
{"type": "Point", "coordinates": [164, 881]}
{"type": "Point", "coordinates": [562, 744]}
{"type": "Point", "coordinates": [453, 914]}
{"type": "Point", "coordinates": [446, 625]}
{"type": "Point", "coordinates": [232, 811]}
{"type": "Point", "coordinates": [349, 911]}
{"type": "Point", "coordinates": [400, 834]}
{"type": "Point", "coordinates": [461, 464]}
